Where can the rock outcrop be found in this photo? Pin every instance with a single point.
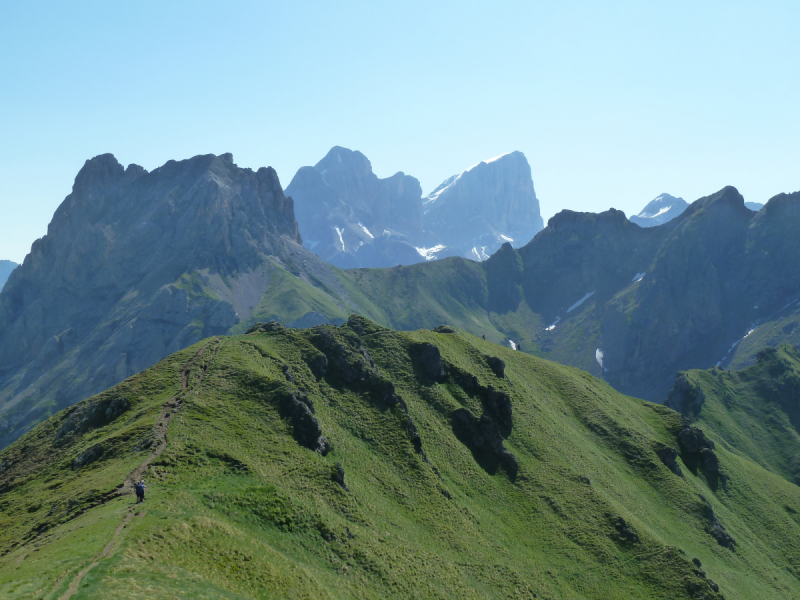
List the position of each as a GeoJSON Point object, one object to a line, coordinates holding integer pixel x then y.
{"type": "Point", "coordinates": [483, 438]}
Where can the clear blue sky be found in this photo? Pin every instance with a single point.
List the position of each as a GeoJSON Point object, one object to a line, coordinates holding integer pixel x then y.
{"type": "Point", "coordinates": [612, 102]}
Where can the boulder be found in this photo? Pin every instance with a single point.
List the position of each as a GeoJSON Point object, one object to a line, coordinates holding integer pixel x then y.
{"type": "Point", "coordinates": [429, 358]}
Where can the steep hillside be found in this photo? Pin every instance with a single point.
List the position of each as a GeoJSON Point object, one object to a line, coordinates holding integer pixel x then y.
{"type": "Point", "coordinates": [358, 462]}
{"type": "Point", "coordinates": [756, 410]}
{"type": "Point", "coordinates": [6, 266]}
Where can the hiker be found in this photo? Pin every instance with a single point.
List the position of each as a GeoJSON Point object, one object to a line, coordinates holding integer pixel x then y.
{"type": "Point", "coordinates": [484, 336]}
{"type": "Point", "coordinates": [139, 488]}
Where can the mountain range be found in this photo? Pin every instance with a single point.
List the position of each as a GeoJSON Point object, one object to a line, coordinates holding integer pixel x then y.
{"type": "Point", "coordinates": [137, 265]}
{"type": "Point", "coordinates": [6, 267]}
{"type": "Point", "coordinates": [359, 462]}
{"type": "Point", "coordinates": [351, 218]}
{"type": "Point", "coordinates": [664, 208]}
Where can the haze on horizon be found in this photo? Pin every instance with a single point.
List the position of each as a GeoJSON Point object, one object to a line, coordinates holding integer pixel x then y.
{"type": "Point", "coordinates": [612, 105]}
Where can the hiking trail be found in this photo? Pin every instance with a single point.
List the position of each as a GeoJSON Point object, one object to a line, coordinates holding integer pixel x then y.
{"type": "Point", "coordinates": [168, 410]}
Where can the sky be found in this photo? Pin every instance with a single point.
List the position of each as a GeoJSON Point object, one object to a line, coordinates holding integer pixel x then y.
{"type": "Point", "coordinates": [612, 103]}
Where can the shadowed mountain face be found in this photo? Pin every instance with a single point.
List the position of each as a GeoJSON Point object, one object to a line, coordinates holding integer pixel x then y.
{"type": "Point", "coordinates": [351, 218]}
{"type": "Point", "coordinates": [134, 266]}
{"type": "Point", "coordinates": [633, 305]}
{"type": "Point", "coordinates": [6, 267]}
{"type": "Point", "coordinates": [659, 211]}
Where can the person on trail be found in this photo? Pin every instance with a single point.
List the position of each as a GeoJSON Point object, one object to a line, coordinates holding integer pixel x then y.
{"type": "Point", "coordinates": [139, 488]}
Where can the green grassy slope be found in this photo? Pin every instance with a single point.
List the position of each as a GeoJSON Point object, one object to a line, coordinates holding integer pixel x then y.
{"type": "Point", "coordinates": [756, 410]}
{"type": "Point", "coordinates": [238, 508]}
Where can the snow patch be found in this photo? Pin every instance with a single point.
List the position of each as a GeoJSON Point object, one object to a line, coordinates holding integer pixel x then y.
{"type": "Point", "coordinates": [430, 253]}
{"type": "Point", "coordinates": [491, 160]}
{"type": "Point", "coordinates": [341, 239]}
{"type": "Point", "coordinates": [512, 344]}
{"type": "Point", "coordinates": [553, 324]}
{"type": "Point", "coordinates": [644, 215]}
{"type": "Point", "coordinates": [444, 186]}
{"type": "Point", "coordinates": [638, 277]}
{"type": "Point", "coordinates": [581, 301]}
{"type": "Point", "coordinates": [506, 238]}
{"type": "Point", "coordinates": [365, 230]}
{"type": "Point", "coordinates": [599, 356]}
{"type": "Point", "coordinates": [387, 233]}
{"type": "Point", "coordinates": [480, 255]}
{"type": "Point", "coordinates": [448, 183]}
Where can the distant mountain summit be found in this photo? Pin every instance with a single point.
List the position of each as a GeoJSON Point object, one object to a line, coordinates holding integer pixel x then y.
{"type": "Point", "coordinates": [351, 218]}
{"type": "Point", "coordinates": [485, 206]}
{"type": "Point", "coordinates": [660, 210]}
{"type": "Point", "coordinates": [6, 266]}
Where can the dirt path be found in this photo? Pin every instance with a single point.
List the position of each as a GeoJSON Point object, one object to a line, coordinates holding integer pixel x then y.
{"type": "Point", "coordinates": [106, 551]}
{"type": "Point", "coordinates": [168, 410]}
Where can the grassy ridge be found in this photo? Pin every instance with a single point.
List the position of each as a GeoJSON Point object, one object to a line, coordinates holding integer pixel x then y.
{"type": "Point", "coordinates": [237, 508]}
{"type": "Point", "coordinates": [755, 410]}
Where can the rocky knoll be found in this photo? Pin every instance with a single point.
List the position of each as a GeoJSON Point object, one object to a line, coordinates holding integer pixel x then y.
{"type": "Point", "coordinates": [351, 218]}
{"type": "Point", "coordinates": [136, 265]}
{"type": "Point", "coordinates": [6, 266]}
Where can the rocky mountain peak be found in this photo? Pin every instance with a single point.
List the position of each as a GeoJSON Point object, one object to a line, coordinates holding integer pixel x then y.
{"type": "Point", "coordinates": [351, 218]}
{"type": "Point", "coordinates": [485, 206]}
{"type": "Point", "coordinates": [660, 210]}
{"type": "Point", "coordinates": [126, 266]}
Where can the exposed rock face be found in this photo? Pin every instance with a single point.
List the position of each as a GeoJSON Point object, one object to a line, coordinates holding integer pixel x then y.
{"type": "Point", "coordinates": [497, 365]}
{"type": "Point", "coordinates": [6, 267]}
{"type": "Point", "coordinates": [298, 409]}
{"type": "Point", "coordinates": [351, 218]}
{"type": "Point", "coordinates": [660, 210]}
{"type": "Point", "coordinates": [483, 439]}
{"type": "Point", "coordinates": [478, 210]}
{"type": "Point", "coordinates": [669, 456]}
{"type": "Point", "coordinates": [685, 397]}
{"type": "Point", "coordinates": [134, 266]}
{"type": "Point", "coordinates": [430, 360]}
